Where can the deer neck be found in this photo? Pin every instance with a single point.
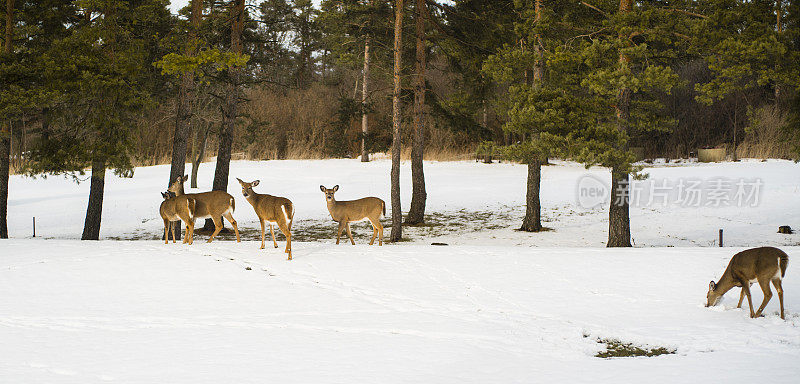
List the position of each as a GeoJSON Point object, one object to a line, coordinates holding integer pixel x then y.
{"type": "Point", "coordinates": [332, 208]}
{"type": "Point", "coordinates": [726, 282]}
{"type": "Point", "coordinates": [252, 198]}
{"type": "Point", "coordinates": [180, 191]}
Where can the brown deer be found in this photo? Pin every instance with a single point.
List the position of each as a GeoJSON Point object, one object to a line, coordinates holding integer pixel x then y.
{"type": "Point", "coordinates": [345, 212]}
{"type": "Point", "coordinates": [213, 204]}
{"type": "Point", "coordinates": [172, 210]}
{"type": "Point", "coordinates": [273, 209]}
{"type": "Point", "coordinates": [763, 264]}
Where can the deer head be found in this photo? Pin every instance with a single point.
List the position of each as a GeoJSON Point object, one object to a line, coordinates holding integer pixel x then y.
{"type": "Point", "coordinates": [177, 185]}
{"type": "Point", "coordinates": [713, 296]}
{"type": "Point", "coordinates": [247, 188]}
{"type": "Point", "coordinates": [329, 192]}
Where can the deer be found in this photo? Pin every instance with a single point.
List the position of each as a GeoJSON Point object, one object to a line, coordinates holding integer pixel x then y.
{"type": "Point", "coordinates": [173, 209]}
{"type": "Point", "coordinates": [345, 212]}
{"type": "Point", "coordinates": [764, 265]}
{"type": "Point", "coordinates": [272, 209]}
{"type": "Point", "coordinates": [213, 204]}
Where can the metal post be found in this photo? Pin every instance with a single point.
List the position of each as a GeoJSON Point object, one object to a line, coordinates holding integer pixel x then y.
{"type": "Point", "coordinates": [720, 237]}
{"type": "Point", "coordinates": [34, 226]}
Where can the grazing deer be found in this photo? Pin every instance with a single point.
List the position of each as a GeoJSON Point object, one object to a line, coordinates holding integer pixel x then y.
{"type": "Point", "coordinates": [345, 212]}
{"type": "Point", "coordinates": [273, 209]}
{"type": "Point", "coordinates": [213, 204]}
{"type": "Point", "coordinates": [172, 210]}
{"type": "Point", "coordinates": [763, 264]}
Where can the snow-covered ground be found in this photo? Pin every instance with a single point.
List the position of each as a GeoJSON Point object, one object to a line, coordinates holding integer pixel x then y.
{"type": "Point", "coordinates": [496, 305]}
{"type": "Point", "coordinates": [143, 312]}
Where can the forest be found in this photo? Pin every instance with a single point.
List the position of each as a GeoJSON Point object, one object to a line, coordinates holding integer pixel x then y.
{"type": "Point", "coordinates": [97, 86]}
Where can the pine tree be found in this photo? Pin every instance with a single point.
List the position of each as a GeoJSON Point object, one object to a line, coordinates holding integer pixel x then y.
{"type": "Point", "coordinates": [626, 67]}
{"type": "Point", "coordinates": [100, 78]}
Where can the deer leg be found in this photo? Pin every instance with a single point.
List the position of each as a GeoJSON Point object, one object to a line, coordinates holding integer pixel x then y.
{"type": "Point", "coordinates": [166, 231]}
{"type": "Point", "coordinates": [217, 227]}
{"type": "Point", "coordinates": [380, 231]}
{"type": "Point", "coordinates": [271, 232]}
{"type": "Point", "coordinates": [172, 229]}
{"type": "Point", "coordinates": [746, 289]}
{"type": "Point", "coordinates": [286, 232]}
{"type": "Point", "coordinates": [191, 234]}
{"type": "Point", "coordinates": [188, 239]}
{"type": "Point", "coordinates": [741, 297]}
{"type": "Point", "coordinates": [779, 288]}
{"type": "Point", "coordinates": [350, 235]}
{"type": "Point", "coordinates": [339, 232]}
{"type": "Point", "coordinates": [374, 232]}
{"type": "Point", "coordinates": [767, 295]}
{"type": "Point", "coordinates": [262, 232]}
{"type": "Point", "coordinates": [230, 219]}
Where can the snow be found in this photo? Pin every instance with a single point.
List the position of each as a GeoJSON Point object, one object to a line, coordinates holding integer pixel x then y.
{"type": "Point", "coordinates": [496, 305]}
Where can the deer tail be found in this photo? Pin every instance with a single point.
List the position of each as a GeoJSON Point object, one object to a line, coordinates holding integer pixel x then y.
{"type": "Point", "coordinates": [383, 205]}
{"type": "Point", "coordinates": [233, 205]}
{"type": "Point", "coordinates": [191, 204]}
{"type": "Point", "coordinates": [289, 218]}
{"type": "Point", "coordinates": [784, 262]}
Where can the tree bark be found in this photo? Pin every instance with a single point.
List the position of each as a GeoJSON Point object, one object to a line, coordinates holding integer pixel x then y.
{"type": "Point", "coordinates": [5, 132]}
{"type": "Point", "coordinates": [533, 208]}
{"type": "Point", "coordinates": [779, 29]}
{"type": "Point", "coordinates": [94, 210]}
{"type": "Point", "coordinates": [416, 215]}
{"type": "Point", "coordinates": [619, 223]}
{"type": "Point", "coordinates": [198, 153]}
{"type": "Point", "coordinates": [229, 110]}
{"type": "Point", "coordinates": [364, 94]}
{"type": "Point", "coordinates": [397, 214]}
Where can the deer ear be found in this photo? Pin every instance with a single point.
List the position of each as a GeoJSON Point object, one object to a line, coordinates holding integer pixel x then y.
{"type": "Point", "coordinates": [185, 178]}
{"type": "Point", "coordinates": [712, 286]}
{"type": "Point", "coordinates": [335, 188]}
{"type": "Point", "coordinates": [239, 180]}
{"type": "Point", "coordinates": [322, 188]}
{"type": "Point", "coordinates": [164, 195]}
{"type": "Point", "coordinates": [253, 184]}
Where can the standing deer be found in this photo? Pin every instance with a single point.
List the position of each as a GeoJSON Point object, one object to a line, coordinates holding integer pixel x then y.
{"type": "Point", "coordinates": [763, 264]}
{"type": "Point", "coordinates": [173, 209]}
{"type": "Point", "coordinates": [345, 212]}
{"type": "Point", "coordinates": [213, 204]}
{"type": "Point", "coordinates": [273, 209]}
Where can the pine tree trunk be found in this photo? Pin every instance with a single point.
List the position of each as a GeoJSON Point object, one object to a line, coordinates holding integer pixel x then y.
{"type": "Point", "coordinates": [533, 209]}
{"type": "Point", "coordinates": [181, 137]}
{"type": "Point", "coordinates": [5, 131]}
{"type": "Point", "coordinates": [183, 111]}
{"type": "Point", "coordinates": [222, 170]}
{"type": "Point", "coordinates": [416, 215]}
{"type": "Point", "coordinates": [364, 94]}
{"type": "Point", "coordinates": [619, 222]}
{"type": "Point", "coordinates": [198, 153]}
{"type": "Point", "coordinates": [779, 29]}
{"type": "Point", "coordinates": [397, 214]}
{"type": "Point", "coordinates": [94, 210]}
{"type": "Point", "coordinates": [5, 165]}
